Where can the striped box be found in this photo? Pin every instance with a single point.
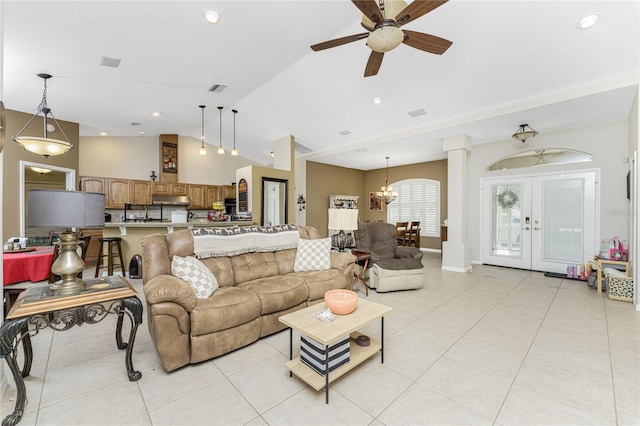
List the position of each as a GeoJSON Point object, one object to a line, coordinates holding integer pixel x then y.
{"type": "Point", "coordinates": [313, 354]}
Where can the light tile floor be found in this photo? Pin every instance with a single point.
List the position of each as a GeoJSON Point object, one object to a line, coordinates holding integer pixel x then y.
{"type": "Point", "coordinates": [494, 346]}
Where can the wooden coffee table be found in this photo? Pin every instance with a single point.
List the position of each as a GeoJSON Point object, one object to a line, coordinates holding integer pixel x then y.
{"type": "Point", "coordinates": [328, 333]}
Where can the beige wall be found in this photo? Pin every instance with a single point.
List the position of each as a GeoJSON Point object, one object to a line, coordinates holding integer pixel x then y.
{"type": "Point", "coordinates": [135, 158]}
{"type": "Point", "coordinates": [13, 154]}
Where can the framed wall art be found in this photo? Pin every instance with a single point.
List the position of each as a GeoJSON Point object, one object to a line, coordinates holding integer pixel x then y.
{"type": "Point", "coordinates": [375, 202]}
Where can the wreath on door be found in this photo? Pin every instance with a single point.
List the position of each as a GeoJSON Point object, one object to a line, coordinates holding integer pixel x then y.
{"type": "Point", "coordinates": [507, 199]}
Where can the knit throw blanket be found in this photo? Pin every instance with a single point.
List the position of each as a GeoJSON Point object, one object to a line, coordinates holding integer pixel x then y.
{"type": "Point", "coordinates": [219, 242]}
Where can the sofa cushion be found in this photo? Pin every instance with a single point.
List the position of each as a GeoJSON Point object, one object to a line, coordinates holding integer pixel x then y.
{"type": "Point", "coordinates": [278, 293]}
{"type": "Point", "coordinates": [226, 308]}
{"type": "Point", "coordinates": [319, 282]}
{"type": "Point", "coordinates": [222, 269]}
{"type": "Point", "coordinates": [253, 266]}
{"type": "Point", "coordinates": [313, 255]}
{"type": "Point", "coordinates": [285, 260]}
{"type": "Point", "coordinates": [191, 270]}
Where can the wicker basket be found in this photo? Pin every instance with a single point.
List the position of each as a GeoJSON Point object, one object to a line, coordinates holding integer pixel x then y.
{"type": "Point", "coordinates": [618, 287]}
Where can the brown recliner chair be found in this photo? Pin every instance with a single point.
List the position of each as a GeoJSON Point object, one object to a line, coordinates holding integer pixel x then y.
{"type": "Point", "coordinates": [394, 268]}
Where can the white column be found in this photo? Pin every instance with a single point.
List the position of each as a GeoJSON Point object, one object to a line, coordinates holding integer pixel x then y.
{"type": "Point", "coordinates": [456, 251]}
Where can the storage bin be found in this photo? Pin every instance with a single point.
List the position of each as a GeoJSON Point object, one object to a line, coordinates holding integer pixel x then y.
{"type": "Point", "coordinates": [619, 286]}
{"type": "Point", "coordinates": [313, 354]}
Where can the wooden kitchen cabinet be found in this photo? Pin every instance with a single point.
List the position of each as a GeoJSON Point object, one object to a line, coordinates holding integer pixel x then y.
{"type": "Point", "coordinates": [92, 184]}
{"type": "Point", "coordinates": [213, 193]}
{"type": "Point", "coordinates": [161, 188]}
{"type": "Point", "coordinates": [197, 197]}
{"type": "Point", "coordinates": [140, 192]}
{"type": "Point", "coordinates": [229, 191]}
{"type": "Point", "coordinates": [117, 193]}
{"type": "Point", "coordinates": [179, 188]}
{"type": "Point", "coordinates": [94, 244]}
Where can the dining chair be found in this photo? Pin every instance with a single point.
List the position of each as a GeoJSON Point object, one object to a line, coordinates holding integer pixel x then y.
{"type": "Point", "coordinates": [54, 237]}
{"type": "Point", "coordinates": [413, 235]}
{"type": "Point", "coordinates": [401, 232]}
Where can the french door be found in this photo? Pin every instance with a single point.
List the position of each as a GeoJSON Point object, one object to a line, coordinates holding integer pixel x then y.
{"type": "Point", "coordinates": [541, 222]}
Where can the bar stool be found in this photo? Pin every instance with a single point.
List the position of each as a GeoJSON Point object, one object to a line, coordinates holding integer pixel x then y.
{"type": "Point", "coordinates": [111, 243]}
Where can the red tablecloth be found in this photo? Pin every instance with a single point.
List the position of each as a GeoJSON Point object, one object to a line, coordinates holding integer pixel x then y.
{"type": "Point", "coordinates": [30, 266]}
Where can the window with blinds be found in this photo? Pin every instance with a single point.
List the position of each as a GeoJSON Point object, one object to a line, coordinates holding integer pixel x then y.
{"type": "Point", "coordinates": [418, 200]}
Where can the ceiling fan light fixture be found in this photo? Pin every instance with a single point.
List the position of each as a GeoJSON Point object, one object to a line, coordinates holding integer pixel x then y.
{"type": "Point", "coordinates": [385, 39]}
{"type": "Point", "coordinates": [524, 132]}
{"type": "Point", "coordinates": [212, 17]}
{"type": "Point", "coordinates": [44, 146]}
{"type": "Point", "coordinates": [588, 21]}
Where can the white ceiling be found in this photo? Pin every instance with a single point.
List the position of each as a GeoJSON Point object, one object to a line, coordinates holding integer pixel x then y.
{"type": "Point", "coordinates": [511, 62]}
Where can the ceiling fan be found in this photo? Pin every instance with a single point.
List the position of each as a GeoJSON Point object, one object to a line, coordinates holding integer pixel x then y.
{"type": "Point", "coordinates": [383, 20]}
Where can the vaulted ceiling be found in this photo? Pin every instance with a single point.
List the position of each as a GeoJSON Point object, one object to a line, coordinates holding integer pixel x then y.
{"type": "Point", "coordinates": [511, 62]}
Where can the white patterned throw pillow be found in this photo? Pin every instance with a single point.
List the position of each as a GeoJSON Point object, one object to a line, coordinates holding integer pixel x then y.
{"type": "Point", "coordinates": [313, 255]}
{"type": "Point", "coordinates": [191, 270]}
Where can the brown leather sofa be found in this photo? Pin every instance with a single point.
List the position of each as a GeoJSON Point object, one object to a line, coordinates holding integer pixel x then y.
{"type": "Point", "coordinates": [255, 289]}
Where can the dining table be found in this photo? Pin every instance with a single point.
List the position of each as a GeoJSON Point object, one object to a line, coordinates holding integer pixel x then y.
{"type": "Point", "coordinates": [29, 264]}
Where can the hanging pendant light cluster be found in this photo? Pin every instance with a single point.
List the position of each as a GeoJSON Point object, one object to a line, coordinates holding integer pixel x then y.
{"type": "Point", "coordinates": [44, 146]}
{"type": "Point", "coordinates": [220, 147]}
{"type": "Point", "coordinates": [234, 151]}
{"type": "Point", "coordinates": [387, 194]}
{"type": "Point", "coordinates": [203, 150]}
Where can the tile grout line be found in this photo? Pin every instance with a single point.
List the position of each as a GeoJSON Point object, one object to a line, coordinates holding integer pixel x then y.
{"type": "Point", "coordinates": [613, 379]}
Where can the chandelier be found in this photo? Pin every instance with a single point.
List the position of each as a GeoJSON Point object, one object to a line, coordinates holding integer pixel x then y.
{"type": "Point", "coordinates": [523, 134]}
{"type": "Point", "coordinates": [387, 194]}
{"type": "Point", "coordinates": [44, 146]}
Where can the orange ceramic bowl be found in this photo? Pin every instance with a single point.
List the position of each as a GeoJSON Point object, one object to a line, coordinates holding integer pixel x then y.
{"type": "Point", "coordinates": [341, 302]}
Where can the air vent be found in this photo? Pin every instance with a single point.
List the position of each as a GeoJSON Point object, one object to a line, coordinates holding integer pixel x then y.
{"type": "Point", "coordinates": [302, 149]}
{"type": "Point", "coordinates": [345, 132]}
{"type": "Point", "coordinates": [417, 113]}
{"type": "Point", "coordinates": [217, 88]}
{"type": "Point", "coordinates": [135, 124]}
{"type": "Point", "coordinates": [109, 62]}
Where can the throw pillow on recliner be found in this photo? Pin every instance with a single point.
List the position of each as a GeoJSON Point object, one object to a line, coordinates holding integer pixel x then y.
{"type": "Point", "coordinates": [194, 273]}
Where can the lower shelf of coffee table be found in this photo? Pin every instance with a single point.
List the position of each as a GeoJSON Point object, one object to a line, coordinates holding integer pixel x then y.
{"type": "Point", "coordinates": [357, 355]}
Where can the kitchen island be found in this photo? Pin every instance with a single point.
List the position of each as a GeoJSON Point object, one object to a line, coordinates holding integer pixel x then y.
{"type": "Point", "coordinates": [132, 232]}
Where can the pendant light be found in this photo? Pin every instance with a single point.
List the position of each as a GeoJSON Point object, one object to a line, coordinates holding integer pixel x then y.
{"type": "Point", "coordinates": [44, 146]}
{"type": "Point", "coordinates": [220, 148]}
{"type": "Point", "coordinates": [387, 193]}
{"type": "Point", "coordinates": [234, 151]}
{"type": "Point", "coordinates": [203, 150]}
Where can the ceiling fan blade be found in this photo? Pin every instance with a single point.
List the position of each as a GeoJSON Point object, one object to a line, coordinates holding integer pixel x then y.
{"type": "Point", "coordinates": [416, 9]}
{"type": "Point", "coordinates": [373, 64]}
{"type": "Point", "coordinates": [369, 8]}
{"type": "Point", "coordinates": [338, 41]}
{"type": "Point", "coordinates": [427, 42]}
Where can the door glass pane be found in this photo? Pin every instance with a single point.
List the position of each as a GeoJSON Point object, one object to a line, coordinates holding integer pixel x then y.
{"type": "Point", "coordinates": [562, 220]}
{"type": "Point", "coordinates": [506, 224]}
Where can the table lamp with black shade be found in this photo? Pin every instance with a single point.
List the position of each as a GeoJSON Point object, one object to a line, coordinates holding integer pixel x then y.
{"type": "Point", "coordinates": [342, 220]}
{"type": "Point", "coordinates": [66, 209]}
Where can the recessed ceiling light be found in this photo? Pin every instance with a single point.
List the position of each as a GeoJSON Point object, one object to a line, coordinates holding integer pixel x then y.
{"type": "Point", "coordinates": [103, 133]}
{"type": "Point", "coordinates": [588, 21]}
{"type": "Point", "coordinates": [141, 133]}
{"type": "Point", "coordinates": [377, 100]}
{"type": "Point", "coordinates": [211, 16]}
{"type": "Point", "coordinates": [156, 114]}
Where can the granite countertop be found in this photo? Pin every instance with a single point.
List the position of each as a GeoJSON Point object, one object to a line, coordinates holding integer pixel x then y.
{"type": "Point", "coordinates": [174, 224]}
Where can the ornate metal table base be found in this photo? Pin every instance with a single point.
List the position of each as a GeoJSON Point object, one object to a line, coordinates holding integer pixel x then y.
{"type": "Point", "coordinates": [19, 331]}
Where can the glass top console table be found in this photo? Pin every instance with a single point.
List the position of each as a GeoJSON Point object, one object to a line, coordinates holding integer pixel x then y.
{"type": "Point", "coordinates": [38, 308]}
